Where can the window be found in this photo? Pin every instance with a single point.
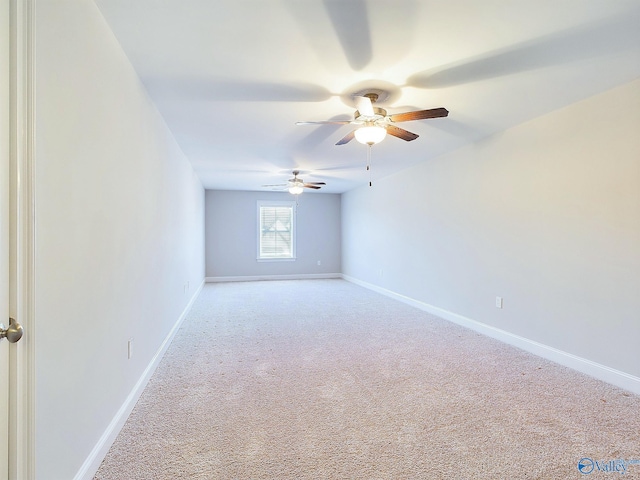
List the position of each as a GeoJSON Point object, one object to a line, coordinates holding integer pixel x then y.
{"type": "Point", "coordinates": [276, 230]}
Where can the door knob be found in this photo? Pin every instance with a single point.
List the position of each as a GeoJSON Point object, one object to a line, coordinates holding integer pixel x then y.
{"type": "Point", "coordinates": [13, 333]}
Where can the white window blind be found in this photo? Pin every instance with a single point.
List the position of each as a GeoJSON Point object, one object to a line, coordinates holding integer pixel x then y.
{"type": "Point", "coordinates": [276, 230]}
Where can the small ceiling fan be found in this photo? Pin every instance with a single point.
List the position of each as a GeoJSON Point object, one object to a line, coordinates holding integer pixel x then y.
{"type": "Point", "coordinates": [296, 185]}
{"type": "Point", "coordinates": [374, 123]}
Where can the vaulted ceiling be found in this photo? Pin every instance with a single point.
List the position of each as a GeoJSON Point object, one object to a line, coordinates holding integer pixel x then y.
{"type": "Point", "coordinates": [232, 77]}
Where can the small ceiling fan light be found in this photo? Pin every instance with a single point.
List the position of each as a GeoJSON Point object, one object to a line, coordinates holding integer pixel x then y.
{"type": "Point", "coordinates": [370, 135]}
{"type": "Point", "coordinates": [295, 190]}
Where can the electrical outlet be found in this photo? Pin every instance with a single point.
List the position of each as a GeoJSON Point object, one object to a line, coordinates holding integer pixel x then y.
{"type": "Point", "coordinates": [319, 263]}
{"type": "Point", "coordinates": [498, 302]}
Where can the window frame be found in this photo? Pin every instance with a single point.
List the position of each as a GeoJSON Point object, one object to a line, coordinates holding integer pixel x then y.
{"type": "Point", "coordinates": [273, 203]}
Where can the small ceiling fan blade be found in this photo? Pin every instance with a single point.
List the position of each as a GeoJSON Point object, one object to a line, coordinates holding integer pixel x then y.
{"type": "Point", "coordinates": [306, 185]}
{"type": "Point", "coordinates": [315, 183]}
{"type": "Point", "coordinates": [365, 107]}
{"type": "Point", "coordinates": [419, 115]}
{"type": "Point", "coordinates": [277, 185]}
{"type": "Point", "coordinates": [401, 133]}
{"type": "Point", "coordinates": [327, 122]}
{"type": "Point", "coordinates": [347, 138]}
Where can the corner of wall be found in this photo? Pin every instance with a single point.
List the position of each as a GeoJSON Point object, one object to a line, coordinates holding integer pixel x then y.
{"type": "Point", "coordinates": [582, 365]}
{"type": "Point", "coordinates": [94, 460]}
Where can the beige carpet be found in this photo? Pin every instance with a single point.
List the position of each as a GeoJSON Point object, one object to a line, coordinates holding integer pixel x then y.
{"type": "Point", "coordinates": [323, 379]}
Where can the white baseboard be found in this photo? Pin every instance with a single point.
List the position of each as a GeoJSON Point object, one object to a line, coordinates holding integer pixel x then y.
{"type": "Point", "coordinates": [583, 365]}
{"type": "Point", "coordinates": [93, 461]}
{"type": "Point", "coordinates": [254, 278]}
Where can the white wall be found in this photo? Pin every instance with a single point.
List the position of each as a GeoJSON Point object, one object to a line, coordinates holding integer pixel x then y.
{"type": "Point", "coordinates": [231, 235]}
{"type": "Point", "coordinates": [120, 232]}
{"type": "Point", "coordinates": [546, 215]}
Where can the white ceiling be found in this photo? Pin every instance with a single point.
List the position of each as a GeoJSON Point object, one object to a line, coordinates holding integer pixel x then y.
{"type": "Point", "coordinates": [231, 77]}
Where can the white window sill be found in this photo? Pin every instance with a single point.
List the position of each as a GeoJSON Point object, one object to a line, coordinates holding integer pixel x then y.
{"type": "Point", "coordinates": [276, 259]}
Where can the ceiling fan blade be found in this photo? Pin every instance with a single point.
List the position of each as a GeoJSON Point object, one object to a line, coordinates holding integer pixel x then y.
{"type": "Point", "coordinates": [331, 122]}
{"type": "Point", "coordinates": [401, 133]}
{"type": "Point", "coordinates": [306, 185]}
{"type": "Point", "coordinates": [277, 185]}
{"type": "Point", "coordinates": [347, 138]}
{"type": "Point", "coordinates": [364, 106]}
{"type": "Point", "coordinates": [419, 115]}
{"type": "Point", "coordinates": [315, 183]}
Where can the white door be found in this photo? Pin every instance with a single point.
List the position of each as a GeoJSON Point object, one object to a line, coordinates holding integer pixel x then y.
{"type": "Point", "coordinates": [4, 235]}
{"type": "Point", "coordinates": [17, 236]}
{"type": "Point", "coordinates": [4, 344]}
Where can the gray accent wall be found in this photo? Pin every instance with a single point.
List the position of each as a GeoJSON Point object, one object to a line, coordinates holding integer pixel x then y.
{"type": "Point", "coordinates": [545, 215]}
{"type": "Point", "coordinates": [231, 235]}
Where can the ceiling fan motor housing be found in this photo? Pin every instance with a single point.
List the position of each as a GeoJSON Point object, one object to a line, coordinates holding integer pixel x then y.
{"type": "Point", "coordinates": [378, 114]}
{"type": "Point", "coordinates": [373, 123]}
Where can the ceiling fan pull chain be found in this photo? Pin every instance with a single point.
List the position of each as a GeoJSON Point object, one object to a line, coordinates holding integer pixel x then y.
{"type": "Point", "coordinates": [368, 157]}
{"type": "Point", "coordinates": [369, 163]}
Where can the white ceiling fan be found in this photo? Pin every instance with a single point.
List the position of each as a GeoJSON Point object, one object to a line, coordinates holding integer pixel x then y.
{"type": "Point", "coordinates": [296, 185]}
{"type": "Point", "coordinates": [373, 123]}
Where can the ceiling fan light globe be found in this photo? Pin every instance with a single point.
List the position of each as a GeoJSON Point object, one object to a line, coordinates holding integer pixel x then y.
{"type": "Point", "coordinates": [295, 190]}
{"type": "Point", "coordinates": [370, 135]}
